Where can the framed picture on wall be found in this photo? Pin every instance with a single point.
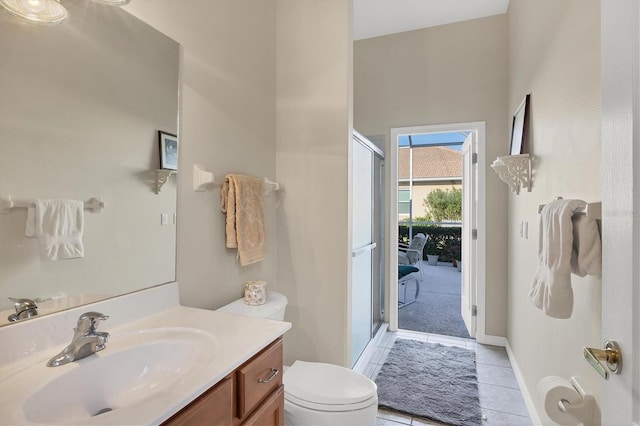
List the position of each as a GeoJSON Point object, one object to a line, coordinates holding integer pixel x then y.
{"type": "Point", "coordinates": [519, 127]}
{"type": "Point", "coordinates": [168, 150]}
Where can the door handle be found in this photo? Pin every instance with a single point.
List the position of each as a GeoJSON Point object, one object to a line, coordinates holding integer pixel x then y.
{"type": "Point", "coordinates": [611, 356]}
{"type": "Point", "coordinates": [364, 249]}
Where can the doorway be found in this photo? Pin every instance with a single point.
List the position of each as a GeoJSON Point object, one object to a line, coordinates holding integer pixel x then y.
{"type": "Point", "coordinates": [470, 148]}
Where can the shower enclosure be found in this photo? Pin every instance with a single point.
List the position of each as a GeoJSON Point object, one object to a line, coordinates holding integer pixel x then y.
{"type": "Point", "coordinates": [367, 296]}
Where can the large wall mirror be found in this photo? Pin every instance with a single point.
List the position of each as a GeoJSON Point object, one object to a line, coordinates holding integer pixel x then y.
{"type": "Point", "coordinates": [81, 104]}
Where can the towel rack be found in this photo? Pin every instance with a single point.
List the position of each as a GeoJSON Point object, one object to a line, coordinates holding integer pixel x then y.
{"type": "Point", "coordinates": [203, 179]}
{"type": "Point", "coordinates": [592, 210]}
{"type": "Point", "coordinates": [94, 205]}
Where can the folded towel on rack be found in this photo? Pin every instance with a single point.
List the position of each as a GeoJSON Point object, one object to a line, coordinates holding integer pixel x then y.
{"type": "Point", "coordinates": [241, 200]}
{"type": "Point", "coordinates": [566, 244]}
{"type": "Point", "coordinates": [586, 258]}
{"type": "Point", "coordinates": [58, 225]}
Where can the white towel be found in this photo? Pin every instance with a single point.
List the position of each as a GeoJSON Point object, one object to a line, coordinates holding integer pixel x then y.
{"type": "Point", "coordinates": [566, 244]}
{"type": "Point", "coordinates": [586, 258]}
{"type": "Point", "coordinates": [58, 225]}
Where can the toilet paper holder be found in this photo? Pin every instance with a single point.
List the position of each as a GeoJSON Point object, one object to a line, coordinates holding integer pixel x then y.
{"type": "Point", "coordinates": [578, 407]}
{"type": "Point", "coordinates": [566, 406]}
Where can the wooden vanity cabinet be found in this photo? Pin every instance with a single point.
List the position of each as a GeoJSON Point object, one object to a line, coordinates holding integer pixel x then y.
{"type": "Point", "coordinates": [214, 407]}
{"type": "Point", "coordinates": [253, 394]}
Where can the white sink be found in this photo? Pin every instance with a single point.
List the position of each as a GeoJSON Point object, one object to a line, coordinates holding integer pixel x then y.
{"type": "Point", "coordinates": [159, 358]}
{"type": "Point", "coordinates": [134, 368]}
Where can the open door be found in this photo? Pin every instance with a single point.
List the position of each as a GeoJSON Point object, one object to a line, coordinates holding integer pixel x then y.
{"type": "Point", "coordinates": [620, 403]}
{"type": "Point", "coordinates": [469, 232]}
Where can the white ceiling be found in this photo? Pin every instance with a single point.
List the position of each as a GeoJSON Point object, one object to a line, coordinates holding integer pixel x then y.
{"type": "Point", "coordinates": [373, 18]}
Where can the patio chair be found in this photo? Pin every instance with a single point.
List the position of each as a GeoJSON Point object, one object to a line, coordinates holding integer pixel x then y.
{"type": "Point", "coordinates": [404, 279]}
{"type": "Point", "coordinates": [411, 254]}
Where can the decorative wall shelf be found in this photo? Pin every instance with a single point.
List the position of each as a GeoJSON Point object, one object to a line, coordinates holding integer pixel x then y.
{"type": "Point", "coordinates": [162, 175]}
{"type": "Point", "coordinates": [515, 170]}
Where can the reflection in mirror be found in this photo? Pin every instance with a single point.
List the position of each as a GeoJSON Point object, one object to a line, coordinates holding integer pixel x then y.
{"type": "Point", "coordinates": [81, 107]}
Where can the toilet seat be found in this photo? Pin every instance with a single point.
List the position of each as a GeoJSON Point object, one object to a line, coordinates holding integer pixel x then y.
{"type": "Point", "coordinates": [327, 387]}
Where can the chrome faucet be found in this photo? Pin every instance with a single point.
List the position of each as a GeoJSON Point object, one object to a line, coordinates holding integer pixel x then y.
{"type": "Point", "coordinates": [25, 308]}
{"type": "Point", "coordinates": [86, 340]}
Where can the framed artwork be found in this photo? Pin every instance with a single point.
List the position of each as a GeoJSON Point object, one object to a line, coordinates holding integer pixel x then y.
{"type": "Point", "coordinates": [168, 150]}
{"type": "Point", "coordinates": [519, 127]}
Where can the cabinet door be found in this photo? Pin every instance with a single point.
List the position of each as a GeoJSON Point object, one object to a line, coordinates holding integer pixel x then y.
{"type": "Point", "coordinates": [270, 413]}
{"type": "Point", "coordinates": [258, 378]}
{"type": "Point", "coordinates": [214, 407]}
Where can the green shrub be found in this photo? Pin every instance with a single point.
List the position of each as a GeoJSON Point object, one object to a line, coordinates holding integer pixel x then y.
{"type": "Point", "coordinates": [443, 241]}
{"type": "Point", "coordinates": [444, 206]}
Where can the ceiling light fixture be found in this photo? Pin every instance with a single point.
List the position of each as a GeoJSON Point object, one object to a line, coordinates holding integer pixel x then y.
{"type": "Point", "coordinates": [44, 11]}
{"type": "Point", "coordinates": [113, 2]}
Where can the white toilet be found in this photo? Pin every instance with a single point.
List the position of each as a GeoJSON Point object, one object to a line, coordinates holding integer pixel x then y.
{"type": "Point", "coordinates": [317, 393]}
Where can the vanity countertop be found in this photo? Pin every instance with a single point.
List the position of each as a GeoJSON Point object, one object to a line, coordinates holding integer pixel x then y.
{"type": "Point", "coordinates": [231, 340]}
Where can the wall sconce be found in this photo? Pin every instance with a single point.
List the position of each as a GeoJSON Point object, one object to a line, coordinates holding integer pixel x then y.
{"type": "Point", "coordinates": [47, 11]}
{"type": "Point", "coordinates": [44, 11]}
{"type": "Point", "coordinates": [113, 2]}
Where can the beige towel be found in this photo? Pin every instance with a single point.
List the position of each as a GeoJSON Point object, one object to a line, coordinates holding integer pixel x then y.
{"type": "Point", "coordinates": [241, 199]}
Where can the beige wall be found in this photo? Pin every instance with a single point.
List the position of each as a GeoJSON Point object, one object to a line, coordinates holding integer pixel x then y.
{"type": "Point", "coordinates": [314, 89]}
{"type": "Point", "coordinates": [554, 54]}
{"type": "Point", "coordinates": [228, 125]}
{"type": "Point", "coordinates": [449, 74]}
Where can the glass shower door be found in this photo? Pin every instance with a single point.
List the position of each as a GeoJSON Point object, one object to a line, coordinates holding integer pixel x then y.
{"type": "Point", "coordinates": [367, 267]}
{"type": "Point", "coordinates": [377, 282]}
{"type": "Point", "coordinates": [361, 266]}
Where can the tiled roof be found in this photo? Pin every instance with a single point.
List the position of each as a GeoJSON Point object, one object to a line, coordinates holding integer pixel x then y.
{"type": "Point", "coordinates": [430, 162]}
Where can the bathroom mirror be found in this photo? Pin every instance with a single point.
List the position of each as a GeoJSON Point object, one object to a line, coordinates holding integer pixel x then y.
{"type": "Point", "coordinates": [80, 109]}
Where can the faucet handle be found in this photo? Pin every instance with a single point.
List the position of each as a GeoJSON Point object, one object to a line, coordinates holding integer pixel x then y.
{"type": "Point", "coordinates": [22, 304]}
{"type": "Point", "coordinates": [88, 322]}
{"type": "Point", "coordinates": [25, 308]}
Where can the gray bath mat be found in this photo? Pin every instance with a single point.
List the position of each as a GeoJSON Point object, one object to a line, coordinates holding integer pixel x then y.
{"type": "Point", "coordinates": [431, 380]}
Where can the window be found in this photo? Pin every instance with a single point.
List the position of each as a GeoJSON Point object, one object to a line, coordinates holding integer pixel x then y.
{"type": "Point", "coordinates": [404, 202]}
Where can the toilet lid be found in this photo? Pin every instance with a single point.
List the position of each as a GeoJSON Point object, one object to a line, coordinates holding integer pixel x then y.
{"type": "Point", "coordinates": [327, 384]}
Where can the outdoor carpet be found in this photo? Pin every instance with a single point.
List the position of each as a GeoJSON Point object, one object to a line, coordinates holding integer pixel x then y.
{"type": "Point", "coordinates": [436, 310]}
{"type": "Point", "coordinates": [431, 380]}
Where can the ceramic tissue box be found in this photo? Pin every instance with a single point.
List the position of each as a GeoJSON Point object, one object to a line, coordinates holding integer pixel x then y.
{"type": "Point", "coordinates": [255, 292]}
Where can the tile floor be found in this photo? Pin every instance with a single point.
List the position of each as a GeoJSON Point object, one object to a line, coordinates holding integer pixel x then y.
{"type": "Point", "coordinates": [500, 398]}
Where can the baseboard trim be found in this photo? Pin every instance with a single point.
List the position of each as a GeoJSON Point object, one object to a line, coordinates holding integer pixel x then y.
{"type": "Point", "coordinates": [370, 349]}
{"type": "Point", "coordinates": [487, 339]}
{"type": "Point", "coordinates": [526, 395]}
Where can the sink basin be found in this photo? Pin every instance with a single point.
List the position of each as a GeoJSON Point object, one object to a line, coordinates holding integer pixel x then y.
{"type": "Point", "coordinates": [134, 368]}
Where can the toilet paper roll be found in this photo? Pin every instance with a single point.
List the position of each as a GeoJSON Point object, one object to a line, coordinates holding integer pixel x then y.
{"type": "Point", "coordinates": [554, 390]}
{"type": "Point", "coordinates": [255, 292]}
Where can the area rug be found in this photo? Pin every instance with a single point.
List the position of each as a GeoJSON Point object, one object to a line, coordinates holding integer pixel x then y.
{"type": "Point", "coordinates": [432, 381]}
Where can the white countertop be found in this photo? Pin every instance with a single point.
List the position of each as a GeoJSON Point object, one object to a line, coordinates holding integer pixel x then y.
{"type": "Point", "coordinates": [235, 340]}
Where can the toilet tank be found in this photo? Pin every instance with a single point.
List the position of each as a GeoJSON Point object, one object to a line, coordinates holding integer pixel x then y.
{"type": "Point", "coordinates": [273, 308]}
